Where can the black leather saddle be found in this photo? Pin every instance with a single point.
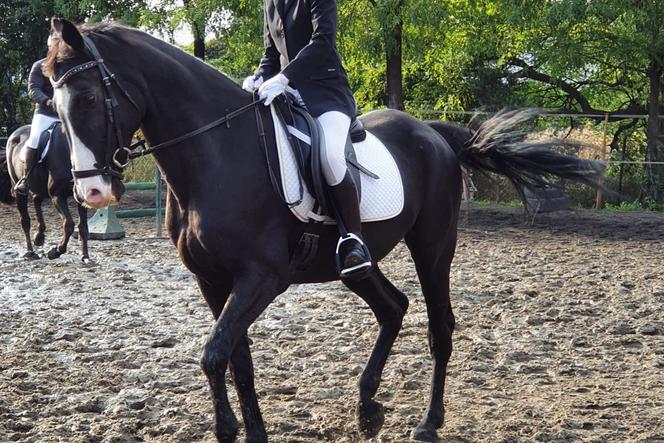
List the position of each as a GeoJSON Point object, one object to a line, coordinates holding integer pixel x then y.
{"type": "Point", "coordinates": [299, 125]}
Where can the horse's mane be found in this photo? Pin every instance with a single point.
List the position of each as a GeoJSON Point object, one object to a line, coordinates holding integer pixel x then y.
{"type": "Point", "coordinates": [60, 50]}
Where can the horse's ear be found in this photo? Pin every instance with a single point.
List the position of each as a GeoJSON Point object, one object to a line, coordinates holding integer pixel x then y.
{"type": "Point", "coordinates": [70, 34]}
{"type": "Point", "coordinates": [56, 26]}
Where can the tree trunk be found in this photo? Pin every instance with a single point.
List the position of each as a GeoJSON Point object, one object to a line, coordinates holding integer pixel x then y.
{"type": "Point", "coordinates": [654, 173]}
{"type": "Point", "coordinates": [199, 40]}
{"type": "Point", "coordinates": [393, 53]}
{"type": "Point", "coordinates": [197, 29]}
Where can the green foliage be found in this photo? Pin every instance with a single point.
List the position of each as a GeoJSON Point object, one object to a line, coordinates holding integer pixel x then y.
{"type": "Point", "coordinates": [648, 205]}
{"type": "Point", "coordinates": [583, 56]}
{"type": "Point", "coordinates": [141, 169]}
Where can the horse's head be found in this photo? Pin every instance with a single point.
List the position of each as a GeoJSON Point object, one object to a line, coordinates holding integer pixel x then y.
{"type": "Point", "coordinates": [99, 114]}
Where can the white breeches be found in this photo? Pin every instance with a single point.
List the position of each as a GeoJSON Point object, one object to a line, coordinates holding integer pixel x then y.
{"type": "Point", "coordinates": [40, 123]}
{"type": "Point", "coordinates": [335, 127]}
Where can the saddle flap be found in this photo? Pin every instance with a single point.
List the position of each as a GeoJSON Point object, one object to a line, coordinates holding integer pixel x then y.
{"type": "Point", "coordinates": [305, 137]}
{"type": "Point", "coordinates": [382, 188]}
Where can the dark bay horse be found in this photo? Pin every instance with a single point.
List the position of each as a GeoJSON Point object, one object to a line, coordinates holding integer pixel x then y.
{"type": "Point", "coordinates": [234, 233]}
{"type": "Point", "coordinates": [52, 179]}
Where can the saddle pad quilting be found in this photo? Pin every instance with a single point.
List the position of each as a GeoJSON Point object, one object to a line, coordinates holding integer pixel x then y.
{"type": "Point", "coordinates": [382, 198]}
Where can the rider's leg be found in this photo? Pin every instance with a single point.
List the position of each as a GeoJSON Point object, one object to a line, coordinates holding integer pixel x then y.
{"type": "Point", "coordinates": [31, 159]}
{"type": "Point", "coordinates": [39, 124]}
{"type": "Point", "coordinates": [354, 256]}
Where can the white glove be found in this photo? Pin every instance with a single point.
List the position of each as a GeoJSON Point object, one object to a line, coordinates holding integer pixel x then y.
{"type": "Point", "coordinates": [272, 88]}
{"type": "Point", "coordinates": [251, 83]}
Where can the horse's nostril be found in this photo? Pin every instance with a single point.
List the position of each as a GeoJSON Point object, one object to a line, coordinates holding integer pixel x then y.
{"type": "Point", "coordinates": [94, 192]}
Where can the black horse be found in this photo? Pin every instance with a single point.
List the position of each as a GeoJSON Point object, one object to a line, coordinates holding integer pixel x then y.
{"type": "Point", "coordinates": [234, 232]}
{"type": "Point", "coordinates": [52, 179]}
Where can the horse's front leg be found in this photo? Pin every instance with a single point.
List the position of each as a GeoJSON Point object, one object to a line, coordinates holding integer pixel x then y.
{"type": "Point", "coordinates": [60, 204]}
{"type": "Point", "coordinates": [83, 232]}
{"type": "Point", "coordinates": [252, 292]}
{"type": "Point", "coordinates": [41, 225]}
{"type": "Point", "coordinates": [216, 294]}
{"type": "Point", "coordinates": [22, 206]}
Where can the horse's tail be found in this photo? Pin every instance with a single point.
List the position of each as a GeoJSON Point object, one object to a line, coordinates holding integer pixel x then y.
{"type": "Point", "coordinates": [497, 146]}
{"type": "Point", "coordinates": [5, 179]}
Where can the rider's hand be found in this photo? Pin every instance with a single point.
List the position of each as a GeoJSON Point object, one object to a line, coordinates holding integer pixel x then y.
{"type": "Point", "coordinates": [251, 83]}
{"type": "Point", "coordinates": [50, 104]}
{"type": "Point", "coordinates": [272, 88]}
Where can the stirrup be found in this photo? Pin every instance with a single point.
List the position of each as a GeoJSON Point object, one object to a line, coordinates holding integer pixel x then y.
{"type": "Point", "coordinates": [21, 187]}
{"type": "Point", "coordinates": [356, 269]}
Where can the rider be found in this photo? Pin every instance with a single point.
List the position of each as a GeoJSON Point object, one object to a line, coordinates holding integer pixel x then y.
{"type": "Point", "coordinates": [300, 51]}
{"type": "Point", "coordinates": [40, 91]}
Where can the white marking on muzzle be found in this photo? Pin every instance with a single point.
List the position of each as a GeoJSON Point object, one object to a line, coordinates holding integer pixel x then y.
{"type": "Point", "coordinates": [82, 158]}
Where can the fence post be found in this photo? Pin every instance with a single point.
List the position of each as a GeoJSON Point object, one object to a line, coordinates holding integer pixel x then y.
{"type": "Point", "coordinates": [157, 180]}
{"type": "Point", "coordinates": [599, 202]}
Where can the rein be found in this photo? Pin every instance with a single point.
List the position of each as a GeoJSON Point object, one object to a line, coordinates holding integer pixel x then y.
{"type": "Point", "coordinates": [113, 166]}
{"type": "Point", "coordinates": [225, 119]}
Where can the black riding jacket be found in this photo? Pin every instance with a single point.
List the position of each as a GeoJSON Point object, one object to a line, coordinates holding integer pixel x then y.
{"type": "Point", "coordinates": [40, 90]}
{"type": "Point", "coordinates": [300, 41]}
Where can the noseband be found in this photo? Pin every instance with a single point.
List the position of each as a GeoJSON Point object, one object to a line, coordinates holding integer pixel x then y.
{"type": "Point", "coordinates": [113, 166]}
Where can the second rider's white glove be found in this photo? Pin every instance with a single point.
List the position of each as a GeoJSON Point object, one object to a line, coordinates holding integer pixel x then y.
{"type": "Point", "coordinates": [272, 88]}
{"type": "Point", "coordinates": [251, 83]}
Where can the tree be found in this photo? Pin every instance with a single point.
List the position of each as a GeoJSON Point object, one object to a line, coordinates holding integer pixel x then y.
{"type": "Point", "coordinates": [600, 56]}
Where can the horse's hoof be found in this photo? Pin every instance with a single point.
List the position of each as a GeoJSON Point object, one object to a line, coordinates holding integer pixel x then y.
{"type": "Point", "coordinates": [53, 253]}
{"type": "Point", "coordinates": [86, 261]}
{"type": "Point", "coordinates": [31, 255]}
{"type": "Point", "coordinates": [261, 438]}
{"type": "Point", "coordinates": [228, 432]}
{"type": "Point", "coordinates": [371, 416]}
{"type": "Point", "coordinates": [39, 239]}
{"type": "Point", "coordinates": [425, 432]}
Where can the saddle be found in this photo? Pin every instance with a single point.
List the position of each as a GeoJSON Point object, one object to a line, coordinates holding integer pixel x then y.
{"type": "Point", "coordinates": [305, 138]}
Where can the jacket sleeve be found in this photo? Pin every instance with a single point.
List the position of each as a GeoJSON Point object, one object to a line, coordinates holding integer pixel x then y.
{"type": "Point", "coordinates": [269, 64]}
{"type": "Point", "coordinates": [322, 44]}
{"type": "Point", "coordinates": [36, 85]}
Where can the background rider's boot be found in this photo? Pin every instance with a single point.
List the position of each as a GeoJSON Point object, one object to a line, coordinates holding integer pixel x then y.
{"type": "Point", "coordinates": [31, 158]}
{"type": "Point", "coordinates": [353, 253]}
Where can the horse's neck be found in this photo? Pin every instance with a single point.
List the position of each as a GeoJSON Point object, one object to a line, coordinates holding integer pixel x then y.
{"type": "Point", "coordinates": [183, 96]}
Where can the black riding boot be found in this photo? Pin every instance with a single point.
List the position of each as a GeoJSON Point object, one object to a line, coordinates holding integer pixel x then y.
{"type": "Point", "coordinates": [31, 159]}
{"type": "Point", "coordinates": [353, 257]}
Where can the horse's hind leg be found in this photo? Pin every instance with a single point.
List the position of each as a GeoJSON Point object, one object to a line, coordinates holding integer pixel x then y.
{"type": "Point", "coordinates": [83, 232]}
{"type": "Point", "coordinates": [433, 257]}
{"type": "Point", "coordinates": [22, 206]}
{"type": "Point", "coordinates": [389, 306]}
{"type": "Point", "coordinates": [41, 229]}
{"type": "Point", "coordinates": [60, 204]}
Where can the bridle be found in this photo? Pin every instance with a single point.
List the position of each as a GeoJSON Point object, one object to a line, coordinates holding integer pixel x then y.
{"type": "Point", "coordinates": [113, 166]}
{"type": "Point", "coordinates": [115, 148]}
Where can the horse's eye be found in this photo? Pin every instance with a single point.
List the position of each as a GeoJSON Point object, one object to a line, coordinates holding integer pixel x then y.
{"type": "Point", "coordinates": [90, 99]}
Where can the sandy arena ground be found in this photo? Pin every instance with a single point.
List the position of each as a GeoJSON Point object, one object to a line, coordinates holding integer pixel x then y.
{"type": "Point", "coordinates": [560, 337]}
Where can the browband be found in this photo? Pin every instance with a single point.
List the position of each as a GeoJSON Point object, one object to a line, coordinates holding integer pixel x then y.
{"type": "Point", "coordinates": [72, 72]}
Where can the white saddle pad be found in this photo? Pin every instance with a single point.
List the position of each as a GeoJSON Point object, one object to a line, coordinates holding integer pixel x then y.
{"type": "Point", "coordinates": [382, 198]}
